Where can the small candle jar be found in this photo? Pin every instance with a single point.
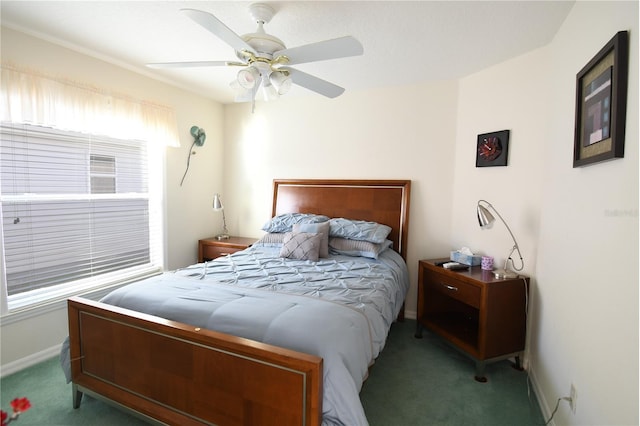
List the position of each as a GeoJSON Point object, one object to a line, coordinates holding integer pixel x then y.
{"type": "Point", "coordinates": [487, 263]}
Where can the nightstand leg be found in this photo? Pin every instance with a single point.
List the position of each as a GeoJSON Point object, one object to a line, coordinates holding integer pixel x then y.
{"type": "Point", "coordinates": [77, 395]}
{"type": "Point", "coordinates": [517, 365]}
{"type": "Point", "coordinates": [480, 377]}
{"type": "Point", "coordinates": [418, 334]}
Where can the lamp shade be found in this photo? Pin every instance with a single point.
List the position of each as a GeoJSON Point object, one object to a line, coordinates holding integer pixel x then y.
{"type": "Point", "coordinates": [248, 77]}
{"type": "Point", "coordinates": [281, 81]}
{"type": "Point", "coordinates": [269, 92]}
{"type": "Point", "coordinates": [485, 218]}
{"type": "Point", "coordinates": [217, 203]}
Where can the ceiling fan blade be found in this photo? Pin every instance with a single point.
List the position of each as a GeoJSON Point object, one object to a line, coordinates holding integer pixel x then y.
{"type": "Point", "coordinates": [194, 64]}
{"type": "Point", "coordinates": [321, 51]}
{"type": "Point", "coordinates": [217, 28]}
{"type": "Point", "coordinates": [315, 84]}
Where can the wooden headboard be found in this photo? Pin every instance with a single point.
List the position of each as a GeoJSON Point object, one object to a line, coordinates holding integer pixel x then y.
{"type": "Point", "coordinates": [382, 201]}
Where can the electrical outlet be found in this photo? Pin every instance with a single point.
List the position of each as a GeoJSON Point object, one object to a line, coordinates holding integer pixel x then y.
{"type": "Point", "coordinates": [573, 395]}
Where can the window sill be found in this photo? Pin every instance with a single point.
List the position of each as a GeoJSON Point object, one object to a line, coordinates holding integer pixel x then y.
{"type": "Point", "coordinates": [37, 309]}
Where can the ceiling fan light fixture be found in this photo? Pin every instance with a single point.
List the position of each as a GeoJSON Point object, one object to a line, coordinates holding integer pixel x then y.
{"type": "Point", "coordinates": [269, 91]}
{"type": "Point", "coordinates": [281, 81]}
{"type": "Point", "coordinates": [248, 77]}
{"type": "Point", "coordinates": [263, 57]}
{"type": "Point", "coordinates": [243, 95]}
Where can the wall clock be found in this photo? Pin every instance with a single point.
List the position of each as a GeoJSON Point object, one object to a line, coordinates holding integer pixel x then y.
{"type": "Point", "coordinates": [492, 149]}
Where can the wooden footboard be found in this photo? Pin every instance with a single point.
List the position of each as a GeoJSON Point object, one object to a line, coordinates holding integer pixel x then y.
{"type": "Point", "coordinates": [181, 375]}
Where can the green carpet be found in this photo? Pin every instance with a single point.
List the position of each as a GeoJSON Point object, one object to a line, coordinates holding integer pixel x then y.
{"type": "Point", "coordinates": [414, 382]}
{"type": "Point", "coordinates": [426, 382]}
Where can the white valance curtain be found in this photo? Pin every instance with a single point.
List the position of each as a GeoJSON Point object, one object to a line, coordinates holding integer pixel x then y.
{"type": "Point", "coordinates": [33, 98]}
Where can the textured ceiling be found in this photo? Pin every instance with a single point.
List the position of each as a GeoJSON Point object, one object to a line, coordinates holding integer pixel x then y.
{"type": "Point", "coordinates": [404, 42]}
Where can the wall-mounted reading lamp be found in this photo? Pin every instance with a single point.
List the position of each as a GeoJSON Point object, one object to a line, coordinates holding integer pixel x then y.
{"type": "Point", "coordinates": [199, 137]}
{"type": "Point", "coordinates": [217, 206]}
{"type": "Point", "coordinates": [485, 219]}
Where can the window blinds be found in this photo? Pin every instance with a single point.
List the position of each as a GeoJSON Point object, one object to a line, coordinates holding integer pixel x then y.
{"type": "Point", "coordinates": [75, 209]}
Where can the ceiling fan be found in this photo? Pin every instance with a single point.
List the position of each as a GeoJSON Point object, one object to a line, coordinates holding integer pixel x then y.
{"type": "Point", "coordinates": [265, 60]}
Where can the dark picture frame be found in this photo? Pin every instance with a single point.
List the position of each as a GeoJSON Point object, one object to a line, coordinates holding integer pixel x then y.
{"type": "Point", "coordinates": [492, 149]}
{"type": "Point", "coordinates": [601, 104]}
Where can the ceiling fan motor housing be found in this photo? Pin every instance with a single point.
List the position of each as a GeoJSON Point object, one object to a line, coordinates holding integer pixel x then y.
{"type": "Point", "coordinates": [264, 44]}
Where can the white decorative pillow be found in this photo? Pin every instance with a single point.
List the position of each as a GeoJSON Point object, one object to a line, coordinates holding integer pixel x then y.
{"type": "Point", "coordinates": [301, 245]}
{"type": "Point", "coordinates": [358, 247]}
{"type": "Point", "coordinates": [316, 228]}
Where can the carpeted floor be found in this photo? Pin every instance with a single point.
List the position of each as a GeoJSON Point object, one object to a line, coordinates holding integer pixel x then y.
{"type": "Point", "coordinates": [414, 382]}
{"type": "Point", "coordinates": [426, 382]}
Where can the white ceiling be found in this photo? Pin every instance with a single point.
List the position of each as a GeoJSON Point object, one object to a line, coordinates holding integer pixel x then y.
{"type": "Point", "coordinates": [404, 42]}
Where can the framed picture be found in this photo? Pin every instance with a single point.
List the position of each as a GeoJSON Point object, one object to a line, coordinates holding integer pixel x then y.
{"type": "Point", "coordinates": [601, 104]}
{"type": "Point", "coordinates": [492, 149]}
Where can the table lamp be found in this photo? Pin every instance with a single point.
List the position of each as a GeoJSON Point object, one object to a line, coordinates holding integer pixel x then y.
{"type": "Point", "coordinates": [217, 206]}
{"type": "Point", "coordinates": [485, 220]}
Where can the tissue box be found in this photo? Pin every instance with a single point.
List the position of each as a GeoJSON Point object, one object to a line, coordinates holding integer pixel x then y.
{"type": "Point", "coordinates": [465, 259]}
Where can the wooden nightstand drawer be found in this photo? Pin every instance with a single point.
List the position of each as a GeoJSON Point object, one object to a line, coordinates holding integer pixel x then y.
{"type": "Point", "coordinates": [212, 252]}
{"type": "Point", "coordinates": [212, 248]}
{"type": "Point", "coordinates": [456, 289]}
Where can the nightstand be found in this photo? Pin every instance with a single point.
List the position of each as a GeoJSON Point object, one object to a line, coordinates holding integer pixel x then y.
{"type": "Point", "coordinates": [482, 316]}
{"type": "Point", "coordinates": [211, 248]}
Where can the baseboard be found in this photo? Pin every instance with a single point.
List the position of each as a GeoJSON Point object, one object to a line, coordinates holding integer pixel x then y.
{"type": "Point", "coordinates": [542, 401]}
{"type": "Point", "coordinates": [31, 360]}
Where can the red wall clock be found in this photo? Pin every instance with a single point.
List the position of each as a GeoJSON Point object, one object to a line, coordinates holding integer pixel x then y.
{"type": "Point", "coordinates": [492, 149]}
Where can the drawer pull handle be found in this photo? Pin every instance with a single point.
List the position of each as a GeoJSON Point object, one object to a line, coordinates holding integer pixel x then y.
{"type": "Point", "coordinates": [450, 287]}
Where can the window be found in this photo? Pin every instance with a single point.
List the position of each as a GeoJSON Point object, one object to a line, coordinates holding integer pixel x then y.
{"type": "Point", "coordinates": [103, 174]}
{"type": "Point", "coordinates": [78, 212]}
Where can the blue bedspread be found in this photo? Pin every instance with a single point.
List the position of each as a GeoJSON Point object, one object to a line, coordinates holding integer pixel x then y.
{"type": "Point", "coordinates": [339, 308]}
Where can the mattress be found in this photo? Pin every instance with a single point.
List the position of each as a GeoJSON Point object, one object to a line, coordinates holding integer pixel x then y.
{"type": "Point", "coordinates": [339, 308]}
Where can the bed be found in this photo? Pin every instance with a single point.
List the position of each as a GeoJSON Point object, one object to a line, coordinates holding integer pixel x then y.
{"type": "Point", "coordinates": [246, 347]}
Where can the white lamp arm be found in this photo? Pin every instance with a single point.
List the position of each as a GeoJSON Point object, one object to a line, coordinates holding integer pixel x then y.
{"type": "Point", "coordinates": [515, 243]}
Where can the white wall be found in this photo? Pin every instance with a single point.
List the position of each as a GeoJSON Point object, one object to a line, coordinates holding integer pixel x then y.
{"type": "Point", "coordinates": [573, 225]}
{"type": "Point", "coordinates": [586, 308]}
{"type": "Point", "coordinates": [189, 214]}
{"type": "Point", "coordinates": [505, 97]}
{"type": "Point", "coordinates": [394, 133]}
